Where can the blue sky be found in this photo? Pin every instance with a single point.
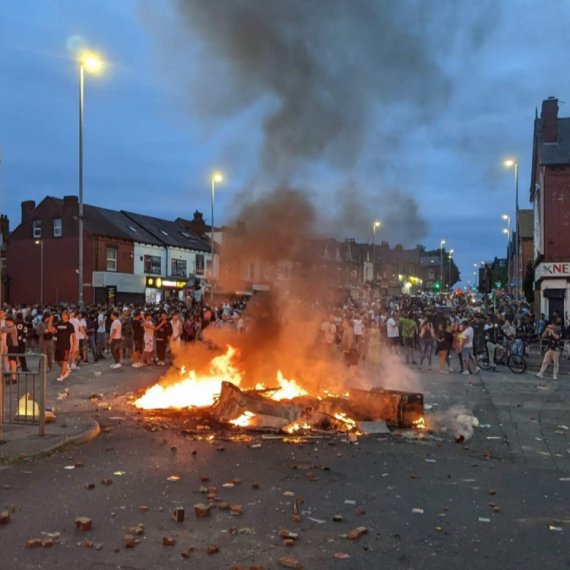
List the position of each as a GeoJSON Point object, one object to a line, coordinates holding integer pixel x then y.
{"type": "Point", "coordinates": [164, 115]}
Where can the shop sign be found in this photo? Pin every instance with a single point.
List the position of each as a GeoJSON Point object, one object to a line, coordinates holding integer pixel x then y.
{"type": "Point", "coordinates": [549, 270]}
{"type": "Point", "coordinates": [160, 283]}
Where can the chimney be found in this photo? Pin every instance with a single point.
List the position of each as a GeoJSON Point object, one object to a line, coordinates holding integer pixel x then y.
{"type": "Point", "coordinates": [549, 116]}
{"type": "Point", "coordinates": [28, 208]}
{"type": "Point", "coordinates": [70, 206]}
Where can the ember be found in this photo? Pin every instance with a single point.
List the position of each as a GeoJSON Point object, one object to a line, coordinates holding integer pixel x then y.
{"type": "Point", "coordinates": [419, 423]}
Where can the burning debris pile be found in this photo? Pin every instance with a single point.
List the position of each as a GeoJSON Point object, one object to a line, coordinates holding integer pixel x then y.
{"type": "Point", "coordinates": [287, 407]}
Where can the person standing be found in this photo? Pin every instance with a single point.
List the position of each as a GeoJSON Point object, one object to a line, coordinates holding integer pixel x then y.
{"type": "Point", "coordinates": [74, 353]}
{"type": "Point", "coordinates": [91, 333]}
{"type": "Point", "coordinates": [115, 337]}
{"type": "Point", "coordinates": [444, 340]}
{"type": "Point", "coordinates": [46, 331]}
{"type": "Point", "coordinates": [127, 333]}
{"type": "Point", "coordinates": [176, 337]}
{"type": "Point", "coordinates": [393, 333]}
{"type": "Point", "coordinates": [491, 335]}
{"type": "Point", "coordinates": [427, 336]}
{"type": "Point", "coordinates": [138, 340]}
{"type": "Point", "coordinates": [163, 334]}
{"type": "Point", "coordinates": [373, 346]}
{"type": "Point", "coordinates": [65, 332]}
{"type": "Point", "coordinates": [82, 347]}
{"type": "Point", "coordinates": [22, 329]}
{"type": "Point", "coordinates": [9, 329]}
{"type": "Point", "coordinates": [467, 348]}
{"type": "Point", "coordinates": [149, 330]}
{"type": "Point", "coordinates": [101, 334]}
{"type": "Point", "coordinates": [409, 331]}
{"type": "Point", "coordinates": [348, 344]}
{"type": "Point", "coordinates": [551, 335]}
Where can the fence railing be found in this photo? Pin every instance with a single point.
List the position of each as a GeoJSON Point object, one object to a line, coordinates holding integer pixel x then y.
{"type": "Point", "coordinates": [23, 392]}
{"type": "Point", "coordinates": [534, 354]}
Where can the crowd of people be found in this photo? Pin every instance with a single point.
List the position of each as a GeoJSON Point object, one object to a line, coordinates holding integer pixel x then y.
{"type": "Point", "coordinates": [144, 335]}
{"type": "Point", "coordinates": [420, 329]}
{"type": "Point", "coordinates": [416, 328]}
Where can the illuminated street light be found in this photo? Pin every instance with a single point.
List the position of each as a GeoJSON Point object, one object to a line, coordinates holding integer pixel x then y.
{"type": "Point", "coordinates": [375, 225]}
{"type": "Point", "coordinates": [441, 244]}
{"type": "Point", "coordinates": [93, 64]}
{"type": "Point", "coordinates": [216, 177]}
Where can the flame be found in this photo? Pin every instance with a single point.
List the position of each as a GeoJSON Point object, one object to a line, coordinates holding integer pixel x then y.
{"type": "Point", "coordinates": [288, 389]}
{"type": "Point", "coordinates": [244, 420]}
{"type": "Point", "coordinates": [193, 390]}
{"type": "Point", "coordinates": [419, 424]}
{"type": "Point", "coordinates": [349, 422]}
{"type": "Point", "coordinates": [297, 426]}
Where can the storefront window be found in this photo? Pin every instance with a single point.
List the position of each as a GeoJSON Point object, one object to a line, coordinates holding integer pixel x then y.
{"type": "Point", "coordinates": [152, 264]}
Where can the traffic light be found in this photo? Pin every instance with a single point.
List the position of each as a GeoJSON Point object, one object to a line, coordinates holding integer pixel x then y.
{"type": "Point", "coordinates": [437, 285]}
{"type": "Point", "coordinates": [485, 281]}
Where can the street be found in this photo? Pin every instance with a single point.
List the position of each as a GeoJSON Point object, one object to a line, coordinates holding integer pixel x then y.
{"type": "Point", "coordinates": [492, 501]}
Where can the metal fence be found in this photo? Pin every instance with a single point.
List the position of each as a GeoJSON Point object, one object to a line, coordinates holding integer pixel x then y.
{"type": "Point", "coordinates": [23, 392]}
{"type": "Point", "coordinates": [534, 353]}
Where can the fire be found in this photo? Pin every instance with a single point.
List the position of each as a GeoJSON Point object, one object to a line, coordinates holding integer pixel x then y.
{"type": "Point", "coordinates": [244, 420]}
{"type": "Point", "coordinates": [193, 390]}
{"type": "Point", "coordinates": [297, 426]}
{"type": "Point", "coordinates": [419, 424]}
{"type": "Point", "coordinates": [196, 390]}
{"type": "Point", "coordinates": [350, 423]}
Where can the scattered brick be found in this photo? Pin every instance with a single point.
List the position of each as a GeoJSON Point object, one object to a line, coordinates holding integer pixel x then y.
{"type": "Point", "coordinates": [296, 518]}
{"type": "Point", "coordinates": [224, 506]}
{"type": "Point", "coordinates": [255, 486]}
{"type": "Point", "coordinates": [88, 544]}
{"type": "Point", "coordinates": [90, 485]}
{"type": "Point", "coordinates": [212, 490]}
{"type": "Point", "coordinates": [289, 542]}
{"type": "Point", "coordinates": [47, 543]}
{"type": "Point", "coordinates": [237, 510]}
{"type": "Point", "coordinates": [185, 553]}
{"type": "Point", "coordinates": [178, 514]}
{"type": "Point", "coordinates": [83, 523]}
{"type": "Point", "coordinates": [129, 541]}
{"type": "Point", "coordinates": [361, 512]}
{"type": "Point", "coordinates": [33, 543]}
{"type": "Point", "coordinates": [338, 518]}
{"type": "Point", "coordinates": [203, 489]}
{"type": "Point", "coordinates": [79, 464]}
{"type": "Point", "coordinates": [237, 481]}
{"type": "Point", "coordinates": [212, 549]}
{"type": "Point", "coordinates": [143, 508]}
{"type": "Point", "coordinates": [287, 562]}
{"type": "Point", "coordinates": [15, 508]}
{"type": "Point", "coordinates": [168, 541]}
{"type": "Point", "coordinates": [220, 449]}
{"type": "Point", "coordinates": [201, 510]}
{"type": "Point", "coordinates": [137, 530]}
{"type": "Point", "coordinates": [4, 517]}
{"type": "Point", "coordinates": [233, 530]}
{"type": "Point", "coordinates": [287, 534]}
{"type": "Point", "coordinates": [204, 479]}
{"type": "Point", "coordinates": [357, 533]}
{"type": "Point", "coordinates": [98, 546]}
{"type": "Point", "coordinates": [492, 492]}
{"type": "Point", "coordinates": [106, 481]}
{"type": "Point", "coordinates": [487, 454]}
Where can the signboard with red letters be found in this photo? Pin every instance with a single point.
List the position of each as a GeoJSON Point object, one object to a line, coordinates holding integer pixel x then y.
{"type": "Point", "coordinates": [552, 270]}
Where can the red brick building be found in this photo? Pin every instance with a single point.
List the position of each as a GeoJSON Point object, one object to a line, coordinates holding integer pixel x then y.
{"type": "Point", "coordinates": [550, 196]}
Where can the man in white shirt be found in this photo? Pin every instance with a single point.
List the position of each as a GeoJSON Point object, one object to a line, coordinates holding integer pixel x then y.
{"type": "Point", "coordinates": [74, 352]}
{"type": "Point", "coordinates": [393, 333]}
{"type": "Point", "coordinates": [101, 335]}
{"type": "Point", "coordinates": [467, 348]}
{"type": "Point", "coordinates": [115, 339]}
{"type": "Point", "coordinates": [328, 328]}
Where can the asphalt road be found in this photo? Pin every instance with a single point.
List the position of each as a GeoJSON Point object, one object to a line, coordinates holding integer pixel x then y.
{"type": "Point", "coordinates": [519, 471]}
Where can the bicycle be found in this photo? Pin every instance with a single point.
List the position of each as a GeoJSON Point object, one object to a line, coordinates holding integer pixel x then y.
{"type": "Point", "coordinates": [515, 362]}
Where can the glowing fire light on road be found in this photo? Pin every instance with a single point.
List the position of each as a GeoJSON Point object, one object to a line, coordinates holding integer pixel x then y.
{"type": "Point", "coordinates": [196, 390]}
{"type": "Point", "coordinates": [419, 424]}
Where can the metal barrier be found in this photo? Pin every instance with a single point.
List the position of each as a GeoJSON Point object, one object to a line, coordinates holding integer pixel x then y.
{"type": "Point", "coordinates": [534, 354]}
{"type": "Point", "coordinates": [23, 393]}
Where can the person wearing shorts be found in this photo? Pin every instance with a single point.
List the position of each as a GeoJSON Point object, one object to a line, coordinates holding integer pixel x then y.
{"type": "Point", "coordinates": [138, 339]}
{"type": "Point", "coordinates": [148, 339]}
{"type": "Point", "coordinates": [467, 349]}
{"type": "Point", "coordinates": [65, 332]}
{"type": "Point", "coordinates": [9, 329]}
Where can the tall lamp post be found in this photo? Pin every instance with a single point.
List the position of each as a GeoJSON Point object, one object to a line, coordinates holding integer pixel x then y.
{"type": "Point", "coordinates": [507, 231]}
{"type": "Point", "coordinates": [40, 242]}
{"type": "Point", "coordinates": [216, 177]}
{"type": "Point", "coordinates": [93, 64]}
{"type": "Point", "coordinates": [441, 244]}
{"type": "Point", "coordinates": [374, 226]}
{"type": "Point", "coordinates": [451, 251]}
{"type": "Point", "coordinates": [476, 273]}
{"type": "Point", "coordinates": [514, 163]}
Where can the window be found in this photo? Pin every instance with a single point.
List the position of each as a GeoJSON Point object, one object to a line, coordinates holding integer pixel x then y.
{"type": "Point", "coordinates": [57, 227]}
{"type": "Point", "coordinates": [178, 267]}
{"type": "Point", "coordinates": [199, 264]}
{"type": "Point", "coordinates": [431, 274]}
{"type": "Point", "coordinates": [111, 259]}
{"type": "Point", "coordinates": [152, 264]}
{"type": "Point", "coordinates": [37, 229]}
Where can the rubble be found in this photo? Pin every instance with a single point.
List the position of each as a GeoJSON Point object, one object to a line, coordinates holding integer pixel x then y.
{"type": "Point", "coordinates": [213, 549]}
{"type": "Point", "coordinates": [178, 514]}
{"type": "Point", "coordinates": [47, 543]}
{"type": "Point", "coordinates": [106, 481]}
{"type": "Point", "coordinates": [83, 524]}
{"type": "Point", "coordinates": [357, 533]}
{"type": "Point", "coordinates": [33, 543]}
{"type": "Point", "coordinates": [236, 510]}
{"type": "Point", "coordinates": [129, 541]}
{"type": "Point", "coordinates": [168, 541]}
{"type": "Point", "coordinates": [4, 517]}
{"type": "Point", "coordinates": [288, 562]}
{"type": "Point", "coordinates": [202, 510]}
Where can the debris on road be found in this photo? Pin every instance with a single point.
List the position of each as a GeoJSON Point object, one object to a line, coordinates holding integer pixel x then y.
{"type": "Point", "coordinates": [33, 543]}
{"type": "Point", "coordinates": [357, 533]}
{"type": "Point", "coordinates": [168, 541]}
{"type": "Point", "coordinates": [83, 523]}
{"type": "Point", "coordinates": [287, 562]}
{"type": "Point", "coordinates": [178, 514]}
{"type": "Point", "coordinates": [202, 510]}
{"type": "Point", "coordinates": [213, 549]}
{"type": "Point", "coordinates": [4, 517]}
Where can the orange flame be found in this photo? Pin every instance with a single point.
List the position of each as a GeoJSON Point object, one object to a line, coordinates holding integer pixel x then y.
{"type": "Point", "coordinates": [244, 420]}
{"type": "Point", "coordinates": [419, 424]}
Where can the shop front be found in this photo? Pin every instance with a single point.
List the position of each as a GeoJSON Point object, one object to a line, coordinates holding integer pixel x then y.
{"type": "Point", "coordinates": [552, 287]}
{"type": "Point", "coordinates": [160, 289]}
{"type": "Point", "coordinates": [110, 288]}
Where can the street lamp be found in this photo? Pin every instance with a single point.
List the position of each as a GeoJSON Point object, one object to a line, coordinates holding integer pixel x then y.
{"type": "Point", "coordinates": [441, 244]}
{"type": "Point", "coordinates": [451, 251]}
{"type": "Point", "coordinates": [40, 242]}
{"type": "Point", "coordinates": [507, 231]}
{"type": "Point", "coordinates": [93, 64]}
{"type": "Point", "coordinates": [216, 177]}
{"type": "Point", "coordinates": [509, 163]}
{"type": "Point", "coordinates": [375, 225]}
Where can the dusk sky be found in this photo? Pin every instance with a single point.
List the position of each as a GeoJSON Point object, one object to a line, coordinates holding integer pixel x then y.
{"type": "Point", "coordinates": [399, 111]}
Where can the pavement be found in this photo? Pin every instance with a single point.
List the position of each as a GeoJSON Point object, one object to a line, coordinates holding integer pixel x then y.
{"type": "Point", "coordinates": [499, 499]}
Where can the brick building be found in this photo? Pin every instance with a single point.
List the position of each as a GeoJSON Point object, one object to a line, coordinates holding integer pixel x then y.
{"type": "Point", "coordinates": [120, 251]}
{"type": "Point", "coordinates": [550, 196]}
